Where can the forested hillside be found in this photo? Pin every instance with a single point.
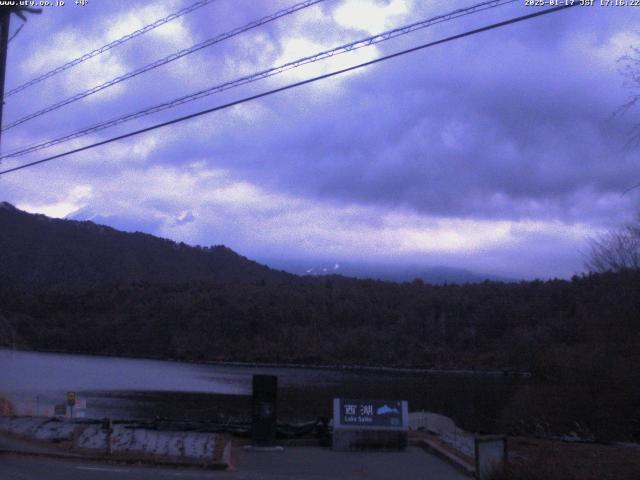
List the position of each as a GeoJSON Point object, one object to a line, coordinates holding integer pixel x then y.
{"type": "Point", "coordinates": [334, 320]}
{"type": "Point", "coordinates": [38, 251]}
{"type": "Point", "coordinates": [579, 338]}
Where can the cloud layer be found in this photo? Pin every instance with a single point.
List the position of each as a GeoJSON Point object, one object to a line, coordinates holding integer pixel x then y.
{"type": "Point", "coordinates": [496, 152]}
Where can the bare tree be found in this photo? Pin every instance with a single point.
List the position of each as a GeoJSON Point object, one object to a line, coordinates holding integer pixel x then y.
{"type": "Point", "coordinates": [631, 72]}
{"type": "Point", "coordinates": [616, 250]}
{"type": "Point", "coordinates": [620, 249]}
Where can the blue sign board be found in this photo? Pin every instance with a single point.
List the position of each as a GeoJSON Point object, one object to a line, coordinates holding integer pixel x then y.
{"type": "Point", "coordinates": [371, 413]}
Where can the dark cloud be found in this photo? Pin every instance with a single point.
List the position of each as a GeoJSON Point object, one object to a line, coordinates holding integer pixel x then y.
{"type": "Point", "coordinates": [510, 125]}
{"type": "Point", "coordinates": [532, 127]}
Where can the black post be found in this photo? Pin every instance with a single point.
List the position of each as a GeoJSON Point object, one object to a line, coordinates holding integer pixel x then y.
{"type": "Point", "coordinates": [264, 415]}
{"type": "Point", "coordinates": [5, 20]}
{"type": "Point", "coordinates": [5, 17]}
{"type": "Point", "coordinates": [107, 426]}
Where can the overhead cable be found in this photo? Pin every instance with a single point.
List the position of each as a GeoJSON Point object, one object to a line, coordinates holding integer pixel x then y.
{"type": "Point", "coordinates": [371, 40]}
{"type": "Point", "coordinates": [163, 61]}
{"type": "Point", "coordinates": [108, 46]}
{"type": "Point", "coordinates": [293, 85]}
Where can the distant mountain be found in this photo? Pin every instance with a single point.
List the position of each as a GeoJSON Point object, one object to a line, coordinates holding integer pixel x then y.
{"type": "Point", "coordinates": [437, 275]}
{"type": "Point", "coordinates": [38, 251]}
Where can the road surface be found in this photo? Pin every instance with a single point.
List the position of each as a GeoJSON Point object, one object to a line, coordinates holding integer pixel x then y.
{"type": "Point", "coordinates": [300, 463]}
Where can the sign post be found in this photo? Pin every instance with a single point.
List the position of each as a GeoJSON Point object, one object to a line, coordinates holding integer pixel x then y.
{"type": "Point", "coordinates": [364, 424]}
{"type": "Point", "coordinates": [71, 401]}
{"type": "Point", "coordinates": [107, 427]}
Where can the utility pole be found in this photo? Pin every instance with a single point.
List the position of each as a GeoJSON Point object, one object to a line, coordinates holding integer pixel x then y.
{"type": "Point", "coordinates": [5, 20]}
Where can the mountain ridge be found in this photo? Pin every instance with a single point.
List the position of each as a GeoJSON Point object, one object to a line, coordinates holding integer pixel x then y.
{"type": "Point", "coordinates": [82, 252]}
{"type": "Point", "coordinates": [38, 251]}
{"type": "Point", "coordinates": [436, 274]}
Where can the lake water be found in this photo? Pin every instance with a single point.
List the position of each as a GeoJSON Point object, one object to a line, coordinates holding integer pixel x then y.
{"type": "Point", "coordinates": [127, 388]}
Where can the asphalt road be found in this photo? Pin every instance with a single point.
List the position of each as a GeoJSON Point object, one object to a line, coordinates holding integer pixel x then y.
{"type": "Point", "coordinates": [300, 463]}
{"type": "Point", "coordinates": [25, 468]}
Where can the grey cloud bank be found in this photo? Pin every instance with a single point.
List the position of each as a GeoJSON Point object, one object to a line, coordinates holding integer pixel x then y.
{"type": "Point", "coordinates": [497, 153]}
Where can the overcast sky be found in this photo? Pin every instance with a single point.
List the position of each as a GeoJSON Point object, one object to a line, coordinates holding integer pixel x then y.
{"type": "Point", "coordinates": [497, 152]}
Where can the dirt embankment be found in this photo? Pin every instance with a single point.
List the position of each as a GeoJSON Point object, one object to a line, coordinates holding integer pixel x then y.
{"type": "Point", "coordinates": [536, 459]}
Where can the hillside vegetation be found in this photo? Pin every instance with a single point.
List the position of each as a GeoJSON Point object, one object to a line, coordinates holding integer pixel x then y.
{"type": "Point", "coordinates": [37, 251]}
{"type": "Point", "coordinates": [579, 338]}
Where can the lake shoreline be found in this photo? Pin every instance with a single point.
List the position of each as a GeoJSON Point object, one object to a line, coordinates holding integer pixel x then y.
{"type": "Point", "coordinates": [355, 368]}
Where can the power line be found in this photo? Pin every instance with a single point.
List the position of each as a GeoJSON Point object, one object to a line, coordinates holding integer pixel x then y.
{"type": "Point", "coordinates": [15, 34]}
{"type": "Point", "coordinates": [5, 21]}
{"type": "Point", "coordinates": [163, 61]}
{"type": "Point", "coordinates": [294, 85]}
{"type": "Point", "coordinates": [371, 40]}
{"type": "Point", "coordinates": [630, 189]}
{"type": "Point", "coordinates": [109, 46]}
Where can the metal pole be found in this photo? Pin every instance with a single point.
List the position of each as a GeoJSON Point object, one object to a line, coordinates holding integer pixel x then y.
{"type": "Point", "coordinates": [5, 18]}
